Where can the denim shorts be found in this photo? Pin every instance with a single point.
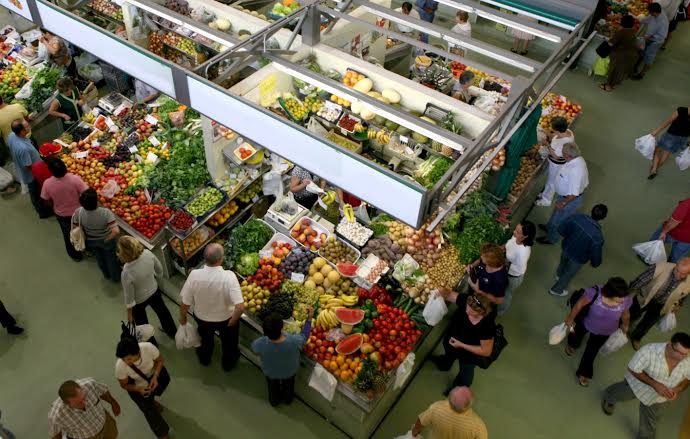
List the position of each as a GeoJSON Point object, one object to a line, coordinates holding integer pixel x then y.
{"type": "Point", "coordinates": [650, 50]}
{"type": "Point", "coordinates": [672, 143]}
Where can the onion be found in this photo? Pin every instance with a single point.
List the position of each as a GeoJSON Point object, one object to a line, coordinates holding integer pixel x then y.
{"type": "Point", "coordinates": [436, 241]}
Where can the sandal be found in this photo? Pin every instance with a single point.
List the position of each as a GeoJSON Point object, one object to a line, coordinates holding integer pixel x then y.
{"type": "Point", "coordinates": [584, 381]}
{"type": "Point", "coordinates": [606, 88]}
{"type": "Point", "coordinates": [569, 351]}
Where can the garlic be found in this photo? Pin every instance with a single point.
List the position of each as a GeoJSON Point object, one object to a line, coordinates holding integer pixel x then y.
{"type": "Point", "coordinates": [354, 232]}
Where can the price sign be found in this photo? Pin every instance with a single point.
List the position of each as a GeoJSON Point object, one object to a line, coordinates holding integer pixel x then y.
{"type": "Point", "coordinates": [138, 158]}
{"type": "Point", "coordinates": [255, 199]}
{"type": "Point", "coordinates": [95, 143]}
{"type": "Point", "coordinates": [150, 119]}
{"type": "Point", "coordinates": [404, 139]}
{"type": "Point", "coordinates": [266, 253]}
{"type": "Point", "coordinates": [81, 154]}
{"type": "Point", "coordinates": [109, 122]}
{"type": "Point", "coordinates": [147, 195]}
{"type": "Point", "coordinates": [297, 277]}
{"type": "Point", "coordinates": [409, 151]}
{"type": "Point", "coordinates": [133, 149]}
{"type": "Point", "coordinates": [151, 157]}
{"type": "Point", "coordinates": [154, 141]}
{"type": "Point", "coordinates": [165, 146]}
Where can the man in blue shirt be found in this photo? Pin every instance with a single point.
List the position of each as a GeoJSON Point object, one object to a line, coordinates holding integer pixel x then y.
{"type": "Point", "coordinates": [427, 11]}
{"type": "Point", "coordinates": [24, 155]}
{"type": "Point", "coordinates": [655, 35]}
{"type": "Point", "coordinates": [582, 242]}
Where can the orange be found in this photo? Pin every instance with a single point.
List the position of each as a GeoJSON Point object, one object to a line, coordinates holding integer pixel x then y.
{"type": "Point", "coordinates": [345, 375]}
{"type": "Point", "coordinates": [344, 366]}
{"type": "Point", "coordinates": [340, 360]}
{"type": "Point", "coordinates": [334, 366]}
{"type": "Point", "coordinates": [326, 364]}
{"type": "Point", "coordinates": [353, 366]}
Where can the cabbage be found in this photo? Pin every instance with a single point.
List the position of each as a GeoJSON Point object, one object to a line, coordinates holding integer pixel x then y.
{"type": "Point", "coordinates": [248, 264]}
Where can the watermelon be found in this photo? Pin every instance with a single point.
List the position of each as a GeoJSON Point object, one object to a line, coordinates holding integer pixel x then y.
{"type": "Point", "coordinates": [350, 345]}
{"type": "Point", "coordinates": [347, 269]}
{"type": "Point", "coordinates": [348, 318]}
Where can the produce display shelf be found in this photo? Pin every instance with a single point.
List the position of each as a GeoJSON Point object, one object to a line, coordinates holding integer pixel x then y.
{"type": "Point", "coordinates": [234, 220]}
{"type": "Point", "coordinates": [189, 56]}
{"type": "Point", "coordinates": [187, 256]}
{"type": "Point", "coordinates": [151, 243]}
{"type": "Point", "coordinates": [187, 35]}
{"type": "Point", "coordinates": [105, 17]}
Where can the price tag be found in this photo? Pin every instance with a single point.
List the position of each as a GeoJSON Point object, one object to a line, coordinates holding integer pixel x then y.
{"type": "Point", "coordinates": [109, 122]}
{"type": "Point", "coordinates": [154, 141]}
{"type": "Point", "coordinates": [255, 199]}
{"type": "Point", "coordinates": [150, 119]}
{"type": "Point", "coordinates": [151, 157]}
{"type": "Point", "coordinates": [138, 158]}
{"type": "Point", "coordinates": [81, 154]}
{"type": "Point", "coordinates": [266, 253]}
{"type": "Point", "coordinates": [332, 105]}
{"type": "Point", "coordinates": [95, 143]}
{"type": "Point", "coordinates": [297, 277]}
{"type": "Point", "coordinates": [165, 146]}
{"type": "Point", "coordinates": [404, 139]}
{"type": "Point", "coordinates": [133, 149]}
{"type": "Point", "coordinates": [147, 195]}
{"type": "Point", "coordinates": [409, 151]}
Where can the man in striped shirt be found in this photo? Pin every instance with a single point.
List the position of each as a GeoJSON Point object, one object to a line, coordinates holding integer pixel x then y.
{"type": "Point", "coordinates": [656, 375]}
{"type": "Point", "coordinates": [452, 418]}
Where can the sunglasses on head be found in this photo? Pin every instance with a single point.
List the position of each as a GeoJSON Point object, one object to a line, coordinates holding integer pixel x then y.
{"type": "Point", "coordinates": [476, 304]}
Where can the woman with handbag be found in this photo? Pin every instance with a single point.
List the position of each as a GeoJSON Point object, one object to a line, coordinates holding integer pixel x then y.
{"type": "Point", "coordinates": [599, 312]}
{"type": "Point", "coordinates": [488, 275]}
{"type": "Point", "coordinates": [141, 372]}
{"type": "Point", "coordinates": [470, 336]}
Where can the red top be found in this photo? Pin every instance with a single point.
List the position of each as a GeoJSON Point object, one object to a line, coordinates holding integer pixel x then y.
{"type": "Point", "coordinates": [40, 172]}
{"type": "Point", "coordinates": [682, 214]}
{"type": "Point", "coordinates": [351, 199]}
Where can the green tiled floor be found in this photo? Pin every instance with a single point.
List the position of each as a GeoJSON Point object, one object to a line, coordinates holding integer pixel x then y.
{"type": "Point", "coordinates": [72, 316]}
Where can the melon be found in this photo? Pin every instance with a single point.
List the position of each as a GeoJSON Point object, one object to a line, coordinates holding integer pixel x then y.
{"type": "Point", "coordinates": [364, 85]}
{"type": "Point", "coordinates": [333, 277]}
{"type": "Point", "coordinates": [367, 348]}
{"type": "Point", "coordinates": [403, 130]}
{"type": "Point", "coordinates": [392, 95]}
{"type": "Point", "coordinates": [380, 120]}
{"type": "Point", "coordinates": [319, 262]}
{"type": "Point", "coordinates": [347, 269]}
{"type": "Point", "coordinates": [348, 318]}
{"type": "Point", "coordinates": [350, 345]}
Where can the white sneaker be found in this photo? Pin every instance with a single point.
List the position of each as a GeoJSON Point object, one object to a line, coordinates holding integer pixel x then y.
{"type": "Point", "coordinates": [542, 203]}
{"type": "Point", "coordinates": [561, 294]}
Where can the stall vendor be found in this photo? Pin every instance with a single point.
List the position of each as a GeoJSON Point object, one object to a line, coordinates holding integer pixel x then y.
{"type": "Point", "coordinates": [67, 104]}
{"type": "Point", "coordinates": [461, 90]}
{"type": "Point", "coordinates": [55, 49]}
{"type": "Point", "coordinates": [358, 206]}
{"type": "Point", "coordinates": [144, 93]}
{"type": "Point", "coordinates": [300, 179]}
{"type": "Point", "coordinates": [407, 9]}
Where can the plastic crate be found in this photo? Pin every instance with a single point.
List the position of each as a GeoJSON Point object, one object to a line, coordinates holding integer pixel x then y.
{"type": "Point", "coordinates": [116, 79]}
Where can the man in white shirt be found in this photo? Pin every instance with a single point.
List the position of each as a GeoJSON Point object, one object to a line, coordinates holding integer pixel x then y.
{"type": "Point", "coordinates": [216, 297]}
{"type": "Point", "coordinates": [656, 375]}
{"type": "Point", "coordinates": [407, 9]}
{"type": "Point", "coordinates": [570, 183]}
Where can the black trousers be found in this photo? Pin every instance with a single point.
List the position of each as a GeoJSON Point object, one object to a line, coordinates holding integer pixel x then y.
{"type": "Point", "coordinates": [40, 207]}
{"type": "Point", "coordinates": [229, 339]}
{"type": "Point", "coordinates": [147, 405]}
{"type": "Point", "coordinates": [6, 319]}
{"type": "Point", "coordinates": [65, 223]}
{"type": "Point", "coordinates": [650, 314]}
{"type": "Point", "coordinates": [281, 390]}
{"type": "Point", "coordinates": [465, 375]}
{"type": "Point", "coordinates": [594, 344]}
{"type": "Point", "coordinates": [158, 306]}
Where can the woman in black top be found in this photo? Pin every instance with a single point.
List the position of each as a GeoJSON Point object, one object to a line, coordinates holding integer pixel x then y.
{"type": "Point", "coordinates": [673, 141]}
{"type": "Point", "coordinates": [488, 275]}
{"type": "Point", "coordinates": [470, 336]}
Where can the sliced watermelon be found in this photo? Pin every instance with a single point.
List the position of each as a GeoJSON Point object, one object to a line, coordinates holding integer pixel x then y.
{"type": "Point", "coordinates": [348, 316]}
{"type": "Point", "coordinates": [347, 269]}
{"type": "Point", "coordinates": [350, 345]}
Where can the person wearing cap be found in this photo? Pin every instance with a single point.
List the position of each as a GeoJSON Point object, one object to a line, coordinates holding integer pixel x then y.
{"type": "Point", "coordinates": [62, 191]}
{"type": "Point", "coordinates": [40, 169]}
{"type": "Point", "coordinates": [461, 89]}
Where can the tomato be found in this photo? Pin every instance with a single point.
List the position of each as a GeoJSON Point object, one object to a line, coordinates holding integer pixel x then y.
{"type": "Point", "coordinates": [322, 349]}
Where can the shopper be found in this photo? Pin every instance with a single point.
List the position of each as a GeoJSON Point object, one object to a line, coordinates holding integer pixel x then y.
{"type": "Point", "coordinates": [40, 170]}
{"type": "Point", "coordinates": [24, 155]}
{"type": "Point", "coordinates": [427, 11]}
{"type": "Point", "coordinates": [79, 414]}
{"type": "Point", "coordinates": [139, 369]}
{"type": "Point", "coordinates": [488, 274]}
{"type": "Point", "coordinates": [139, 273]}
{"type": "Point", "coordinates": [8, 322]}
{"type": "Point", "coordinates": [657, 374]}
{"type": "Point", "coordinates": [656, 24]}
{"type": "Point", "coordinates": [463, 28]}
{"type": "Point", "coordinates": [280, 354]}
{"type": "Point", "coordinates": [407, 9]}
{"type": "Point", "coordinates": [624, 54]}
{"type": "Point", "coordinates": [470, 335]}
{"type": "Point", "coordinates": [659, 290]}
{"type": "Point", "coordinates": [67, 104]}
{"type": "Point", "coordinates": [100, 230]}
{"type": "Point", "coordinates": [560, 135]}
{"type": "Point", "coordinates": [218, 305]}
{"type": "Point", "coordinates": [298, 183]}
{"type": "Point", "coordinates": [571, 182]}
{"type": "Point", "coordinates": [676, 231]}
{"type": "Point", "coordinates": [8, 114]}
{"type": "Point", "coordinates": [599, 312]}
{"type": "Point", "coordinates": [674, 140]}
{"type": "Point", "coordinates": [144, 93]}
{"type": "Point", "coordinates": [452, 417]}
{"type": "Point", "coordinates": [62, 191]}
{"type": "Point", "coordinates": [518, 251]}
{"type": "Point", "coordinates": [685, 426]}
{"type": "Point", "coordinates": [521, 39]}
{"type": "Point", "coordinates": [57, 52]}
{"type": "Point", "coordinates": [583, 242]}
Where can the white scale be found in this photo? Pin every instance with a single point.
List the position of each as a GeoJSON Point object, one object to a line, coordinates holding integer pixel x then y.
{"type": "Point", "coordinates": [112, 101]}
{"type": "Point", "coordinates": [285, 219]}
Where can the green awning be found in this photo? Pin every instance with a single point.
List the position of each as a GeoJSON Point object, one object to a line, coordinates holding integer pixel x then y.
{"type": "Point", "coordinates": [539, 11]}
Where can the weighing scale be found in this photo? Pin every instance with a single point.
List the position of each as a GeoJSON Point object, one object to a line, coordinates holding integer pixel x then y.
{"type": "Point", "coordinates": [112, 101]}
{"type": "Point", "coordinates": [276, 214]}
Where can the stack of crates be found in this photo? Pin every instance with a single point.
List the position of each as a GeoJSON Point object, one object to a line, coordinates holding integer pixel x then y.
{"type": "Point", "coordinates": [117, 80]}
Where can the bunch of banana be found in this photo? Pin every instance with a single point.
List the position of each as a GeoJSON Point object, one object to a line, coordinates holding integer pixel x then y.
{"type": "Point", "coordinates": [326, 319]}
{"type": "Point", "coordinates": [359, 128]}
{"type": "Point", "coordinates": [371, 134]}
{"type": "Point", "coordinates": [383, 138]}
{"type": "Point", "coordinates": [348, 300]}
{"type": "Point", "coordinates": [89, 118]}
{"type": "Point", "coordinates": [329, 301]}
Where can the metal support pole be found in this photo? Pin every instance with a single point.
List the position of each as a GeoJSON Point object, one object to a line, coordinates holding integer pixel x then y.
{"type": "Point", "coordinates": [311, 27]}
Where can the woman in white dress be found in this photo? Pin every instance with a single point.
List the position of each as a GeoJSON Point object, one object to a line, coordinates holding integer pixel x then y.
{"type": "Point", "coordinates": [521, 39]}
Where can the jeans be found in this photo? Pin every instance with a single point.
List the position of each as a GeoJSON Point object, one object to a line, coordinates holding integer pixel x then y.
{"type": "Point", "coordinates": [550, 187]}
{"type": "Point", "coordinates": [6, 319]}
{"type": "Point", "coordinates": [649, 415]}
{"type": "Point", "coordinates": [513, 283]}
{"type": "Point", "coordinates": [560, 215]}
{"type": "Point", "coordinates": [652, 314]}
{"type": "Point", "coordinates": [65, 223]}
{"type": "Point", "coordinates": [104, 251]}
{"type": "Point", "coordinates": [594, 343]}
{"type": "Point", "coordinates": [229, 339]}
{"type": "Point", "coordinates": [158, 306]}
{"type": "Point", "coordinates": [678, 248]}
{"type": "Point", "coordinates": [281, 390]}
{"type": "Point", "coordinates": [566, 271]}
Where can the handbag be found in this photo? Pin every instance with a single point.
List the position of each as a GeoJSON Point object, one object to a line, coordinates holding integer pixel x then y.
{"type": "Point", "coordinates": [604, 50]}
{"type": "Point", "coordinates": [163, 380]}
{"type": "Point", "coordinates": [77, 237]}
{"type": "Point", "coordinates": [500, 342]}
{"type": "Point", "coordinates": [577, 295]}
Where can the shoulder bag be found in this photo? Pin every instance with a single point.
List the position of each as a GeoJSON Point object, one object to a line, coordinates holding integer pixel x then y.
{"type": "Point", "coordinates": [500, 342]}
{"type": "Point", "coordinates": [76, 235]}
{"type": "Point", "coordinates": [577, 295]}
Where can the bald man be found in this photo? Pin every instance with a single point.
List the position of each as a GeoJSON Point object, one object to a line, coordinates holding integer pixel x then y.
{"type": "Point", "coordinates": [452, 418]}
{"type": "Point", "coordinates": [215, 295]}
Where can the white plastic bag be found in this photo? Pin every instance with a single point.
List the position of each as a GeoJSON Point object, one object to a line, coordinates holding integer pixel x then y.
{"type": "Point", "coordinates": [6, 179]}
{"type": "Point", "coordinates": [273, 184]}
{"type": "Point", "coordinates": [144, 332]}
{"type": "Point", "coordinates": [323, 382]}
{"type": "Point", "coordinates": [435, 308]}
{"type": "Point", "coordinates": [683, 160]}
{"type": "Point", "coordinates": [409, 435]}
{"type": "Point", "coordinates": [110, 189]}
{"type": "Point", "coordinates": [187, 337]}
{"type": "Point", "coordinates": [645, 146]}
{"type": "Point", "coordinates": [615, 341]}
{"type": "Point", "coordinates": [558, 333]}
{"type": "Point", "coordinates": [667, 322]}
{"type": "Point", "coordinates": [651, 252]}
{"type": "Point", "coordinates": [404, 370]}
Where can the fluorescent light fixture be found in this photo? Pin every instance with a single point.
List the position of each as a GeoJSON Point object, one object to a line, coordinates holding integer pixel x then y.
{"type": "Point", "coordinates": [395, 19]}
{"type": "Point", "coordinates": [497, 56]}
{"type": "Point", "coordinates": [179, 22]}
{"type": "Point", "coordinates": [378, 110]}
{"type": "Point", "coordinates": [502, 20]}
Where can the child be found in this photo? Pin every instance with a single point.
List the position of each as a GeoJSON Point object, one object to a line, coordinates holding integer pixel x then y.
{"type": "Point", "coordinates": [462, 27]}
{"type": "Point", "coordinates": [280, 356]}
